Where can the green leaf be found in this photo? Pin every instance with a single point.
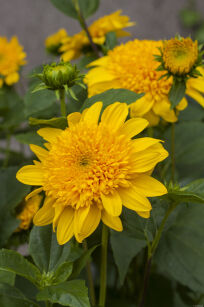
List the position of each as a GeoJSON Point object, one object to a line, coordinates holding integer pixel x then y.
{"type": "Point", "coordinates": [8, 201]}
{"type": "Point", "coordinates": [30, 137]}
{"type": "Point", "coordinates": [12, 297]}
{"type": "Point", "coordinates": [7, 277]}
{"type": "Point", "coordinates": [87, 7]}
{"type": "Point", "coordinates": [71, 293]}
{"type": "Point", "coordinates": [111, 96]}
{"type": "Point", "coordinates": [177, 92]}
{"type": "Point", "coordinates": [56, 122]}
{"type": "Point", "coordinates": [125, 248]}
{"type": "Point", "coordinates": [11, 261]}
{"type": "Point", "coordinates": [180, 253]}
{"type": "Point", "coordinates": [38, 102]}
{"type": "Point", "coordinates": [190, 17]}
{"type": "Point", "coordinates": [62, 273]}
{"type": "Point", "coordinates": [80, 263]}
{"type": "Point", "coordinates": [111, 41]}
{"type": "Point", "coordinates": [81, 95]}
{"type": "Point", "coordinates": [44, 249]}
{"type": "Point", "coordinates": [193, 192]}
{"type": "Point", "coordinates": [200, 34]}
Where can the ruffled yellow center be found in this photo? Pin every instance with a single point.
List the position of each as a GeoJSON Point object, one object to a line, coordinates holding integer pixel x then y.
{"type": "Point", "coordinates": [134, 68]}
{"type": "Point", "coordinates": [85, 161]}
{"type": "Point", "coordinates": [179, 55]}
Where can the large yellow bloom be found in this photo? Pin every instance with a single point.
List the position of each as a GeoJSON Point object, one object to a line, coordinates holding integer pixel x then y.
{"type": "Point", "coordinates": [11, 58]}
{"type": "Point", "coordinates": [30, 208]}
{"type": "Point", "coordinates": [54, 41]}
{"type": "Point", "coordinates": [91, 169]}
{"type": "Point", "coordinates": [132, 66]}
{"type": "Point", "coordinates": [73, 45]}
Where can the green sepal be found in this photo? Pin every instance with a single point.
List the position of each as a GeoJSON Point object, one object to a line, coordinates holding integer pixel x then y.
{"type": "Point", "coordinates": [177, 92]}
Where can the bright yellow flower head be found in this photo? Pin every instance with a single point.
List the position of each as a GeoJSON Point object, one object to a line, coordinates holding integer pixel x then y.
{"type": "Point", "coordinates": [132, 66]}
{"type": "Point", "coordinates": [180, 55]}
{"type": "Point", "coordinates": [54, 41]}
{"type": "Point", "coordinates": [73, 45]}
{"type": "Point", "coordinates": [91, 169]}
{"type": "Point", "coordinates": [11, 59]}
{"type": "Point", "coordinates": [31, 207]}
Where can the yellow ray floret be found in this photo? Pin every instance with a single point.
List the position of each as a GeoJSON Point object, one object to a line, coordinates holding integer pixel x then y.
{"type": "Point", "coordinates": [54, 41]}
{"type": "Point", "coordinates": [92, 169]}
{"type": "Point", "coordinates": [12, 57]}
{"type": "Point", "coordinates": [132, 66]}
{"type": "Point", "coordinates": [72, 45]}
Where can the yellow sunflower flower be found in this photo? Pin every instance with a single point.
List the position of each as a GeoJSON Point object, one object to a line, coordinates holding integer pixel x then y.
{"type": "Point", "coordinates": [54, 41]}
{"type": "Point", "coordinates": [31, 207]}
{"type": "Point", "coordinates": [90, 169]}
{"type": "Point", "coordinates": [73, 45]}
{"type": "Point", "coordinates": [132, 66]}
{"type": "Point", "coordinates": [11, 59]}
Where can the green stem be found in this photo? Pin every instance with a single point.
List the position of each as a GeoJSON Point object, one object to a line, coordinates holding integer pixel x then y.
{"type": "Point", "coordinates": [85, 27]}
{"type": "Point", "coordinates": [103, 271]}
{"type": "Point", "coordinates": [62, 102]}
{"type": "Point", "coordinates": [90, 278]}
{"type": "Point", "coordinates": [7, 152]}
{"type": "Point", "coordinates": [172, 152]}
{"type": "Point", "coordinates": [48, 304]}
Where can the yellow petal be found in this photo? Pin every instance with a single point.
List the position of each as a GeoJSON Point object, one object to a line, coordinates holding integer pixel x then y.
{"type": "Point", "coordinates": [182, 104]}
{"type": "Point", "coordinates": [40, 152]}
{"type": "Point", "coordinates": [141, 106]}
{"type": "Point", "coordinates": [73, 119]}
{"type": "Point", "coordinates": [144, 214]}
{"type": "Point", "coordinates": [143, 143]}
{"type": "Point", "coordinates": [92, 114]}
{"type": "Point", "coordinates": [115, 115]}
{"type": "Point", "coordinates": [133, 200]}
{"type": "Point", "coordinates": [98, 75]}
{"type": "Point", "coordinates": [103, 61]}
{"type": "Point", "coordinates": [112, 203]}
{"type": "Point", "coordinates": [196, 96]}
{"type": "Point", "coordinates": [163, 109]}
{"type": "Point", "coordinates": [89, 225]}
{"type": "Point", "coordinates": [31, 175]}
{"type": "Point", "coordinates": [45, 215]}
{"type": "Point", "coordinates": [145, 161]}
{"type": "Point", "coordinates": [49, 134]}
{"type": "Point", "coordinates": [33, 193]}
{"type": "Point", "coordinates": [133, 126]}
{"type": "Point", "coordinates": [196, 83]}
{"type": "Point", "coordinates": [113, 222]}
{"type": "Point", "coordinates": [58, 207]}
{"type": "Point", "coordinates": [152, 118]}
{"type": "Point", "coordinates": [65, 227]}
{"type": "Point", "coordinates": [148, 186]}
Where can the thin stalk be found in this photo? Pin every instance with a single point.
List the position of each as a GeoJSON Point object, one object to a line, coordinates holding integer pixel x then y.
{"type": "Point", "coordinates": [85, 27]}
{"type": "Point", "coordinates": [172, 152]}
{"type": "Point", "coordinates": [90, 278]}
{"type": "Point", "coordinates": [62, 102]}
{"type": "Point", "coordinates": [7, 151]}
{"type": "Point", "coordinates": [48, 304]}
{"type": "Point", "coordinates": [151, 251]}
{"type": "Point", "coordinates": [103, 271]}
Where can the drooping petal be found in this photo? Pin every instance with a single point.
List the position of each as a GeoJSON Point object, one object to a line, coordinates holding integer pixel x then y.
{"type": "Point", "coordinates": [49, 134]}
{"type": "Point", "coordinates": [73, 119]}
{"type": "Point", "coordinates": [92, 114]}
{"type": "Point", "coordinates": [144, 214]}
{"type": "Point", "coordinates": [89, 225]}
{"type": "Point", "coordinates": [141, 106]}
{"type": "Point", "coordinates": [133, 126]}
{"type": "Point", "coordinates": [148, 186]}
{"type": "Point", "coordinates": [133, 200]}
{"type": "Point", "coordinates": [114, 115]}
{"type": "Point", "coordinates": [65, 227]}
{"type": "Point", "coordinates": [196, 96]}
{"type": "Point", "coordinates": [31, 175]}
{"type": "Point", "coordinates": [112, 203]}
{"type": "Point", "coordinates": [45, 215]}
{"type": "Point", "coordinates": [113, 222]}
{"type": "Point", "coordinates": [33, 193]}
{"type": "Point", "coordinates": [196, 83]}
{"type": "Point", "coordinates": [182, 104]}
{"type": "Point", "coordinates": [40, 152]}
{"type": "Point", "coordinates": [163, 109]}
{"type": "Point", "coordinates": [59, 207]}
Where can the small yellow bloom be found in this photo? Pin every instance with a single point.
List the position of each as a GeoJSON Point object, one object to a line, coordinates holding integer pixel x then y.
{"type": "Point", "coordinates": [180, 55]}
{"type": "Point", "coordinates": [91, 169]}
{"type": "Point", "coordinates": [132, 66]}
{"type": "Point", "coordinates": [73, 45]}
{"type": "Point", "coordinates": [12, 57]}
{"type": "Point", "coordinates": [30, 209]}
{"type": "Point", "coordinates": [54, 41]}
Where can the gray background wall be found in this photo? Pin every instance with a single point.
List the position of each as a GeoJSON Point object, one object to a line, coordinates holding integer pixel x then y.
{"type": "Point", "coordinates": [33, 20]}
